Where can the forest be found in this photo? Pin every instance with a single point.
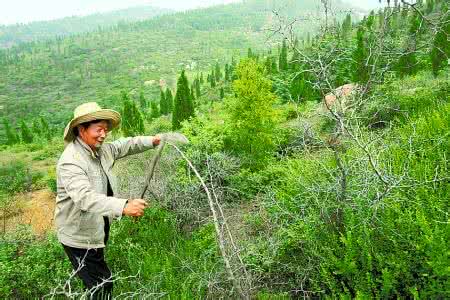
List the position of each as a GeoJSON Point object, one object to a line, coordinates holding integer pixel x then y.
{"type": "Point", "coordinates": [317, 163]}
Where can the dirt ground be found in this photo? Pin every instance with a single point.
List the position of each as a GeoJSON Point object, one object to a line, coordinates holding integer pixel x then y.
{"type": "Point", "coordinates": [35, 209]}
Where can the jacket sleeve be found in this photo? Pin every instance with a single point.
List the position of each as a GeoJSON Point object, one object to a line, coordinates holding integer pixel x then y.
{"type": "Point", "coordinates": [132, 145]}
{"type": "Point", "coordinates": [77, 185]}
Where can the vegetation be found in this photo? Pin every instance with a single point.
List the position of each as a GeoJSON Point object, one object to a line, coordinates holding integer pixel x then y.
{"type": "Point", "coordinates": [343, 200]}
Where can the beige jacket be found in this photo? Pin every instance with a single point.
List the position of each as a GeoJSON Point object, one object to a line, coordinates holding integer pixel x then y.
{"type": "Point", "coordinates": [81, 200]}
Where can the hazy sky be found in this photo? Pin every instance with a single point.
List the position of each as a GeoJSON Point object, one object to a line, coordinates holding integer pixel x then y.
{"type": "Point", "coordinates": [23, 11]}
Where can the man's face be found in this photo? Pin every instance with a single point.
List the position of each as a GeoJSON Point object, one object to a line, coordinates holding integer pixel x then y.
{"type": "Point", "coordinates": [95, 134]}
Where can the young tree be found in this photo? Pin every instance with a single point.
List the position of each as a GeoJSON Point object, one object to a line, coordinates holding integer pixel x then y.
{"type": "Point", "coordinates": [11, 136]}
{"type": "Point", "coordinates": [282, 60]}
{"type": "Point", "coordinates": [169, 100]}
{"type": "Point", "coordinates": [183, 106]}
{"type": "Point", "coordinates": [154, 110]}
{"type": "Point", "coordinates": [45, 128]}
{"type": "Point", "coordinates": [252, 118]}
{"type": "Point", "coordinates": [218, 72]}
{"type": "Point", "coordinates": [361, 73]}
{"type": "Point", "coordinates": [27, 135]}
{"type": "Point", "coordinates": [222, 93]}
{"type": "Point", "coordinates": [132, 121]}
{"type": "Point", "coordinates": [142, 101]}
{"type": "Point", "coordinates": [163, 103]}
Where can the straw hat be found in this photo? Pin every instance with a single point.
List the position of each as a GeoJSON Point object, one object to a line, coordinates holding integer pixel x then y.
{"type": "Point", "coordinates": [87, 112]}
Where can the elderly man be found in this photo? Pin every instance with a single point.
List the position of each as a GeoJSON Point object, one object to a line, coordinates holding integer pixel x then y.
{"type": "Point", "coordinates": [85, 202]}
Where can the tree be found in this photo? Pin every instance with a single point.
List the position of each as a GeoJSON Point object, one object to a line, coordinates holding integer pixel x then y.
{"type": "Point", "coordinates": [183, 106]}
{"type": "Point", "coordinates": [154, 110]}
{"type": "Point", "coordinates": [347, 26]}
{"type": "Point", "coordinates": [222, 93]}
{"type": "Point", "coordinates": [132, 121]}
{"type": "Point", "coordinates": [45, 129]}
{"type": "Point", "coordinates": [163, 105]}
{"type": "Point", "coordinates": [252, 118]}
{"type": "Point", "coordinates": [27, 135]}
{"type": "Point", "coordinates": [142, 101]}
{"type": "Point", "coordinates": [213, 81]}
{"type": "Point", "coordinates": [440, 51]}
{"type": "Point", "coordinates": [11, 136]}
{"type": "Point", "coordinates": [197, 88]}
{"type": "Point", "coordinates": [361, 73]}
{"type": "Point", "coordinates": [218, 72]}
{"type": "Point", "coordinates": [169, 100]}
{"type": "Point", "coordinates": [227, 73]}
{"type": "Point", "coordinates": [283, 61]}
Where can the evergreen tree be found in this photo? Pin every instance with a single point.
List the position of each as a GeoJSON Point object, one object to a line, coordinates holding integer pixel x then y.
{"type": "Point", "coordinates": [27, 135]}
{"type": "Point", "coordinates": [154, 110]}
{"type": "Point", "coordinates": [169, 100]}
{"type": "Point", "coordinates": [45, 129]}
{"type": "Point", "coordinates": [249, 53]}
{"type": "Point", "coordinates": [218, 72]}
{"type": "Point", "coordinates": [227, 73]}
{"type": "Point", "coordinates": [222, 93]}
{"type": "Point", "coordinates": [347, 26]}
{"type": "Point", "coordinates": [360, 74]}
{"type": "Point", "coordinates": [268, 65]}
{"type": "Point", "coordinates": [163, 103]}
{"type": "Point", "coordinates": [183, 106]}
{"type": "Point", "coordinates": [36, 128]}
{"type": "Point", "coordinates": [132, 121]}
{"type": "Point", "coordinates": [201, 78]}
{"type": "Point", "coordinates": [282, 61]}
{"type": "Point", "coordinates": [197, 88]}
{"type": "Point", "coordinates": [440, 51]}
{"type": "Point", "coordinates": [11, 136]}
{"type": "Point", "coordinates": [213, 81]}
{"type": "Point", "coordinates": [142, 101]}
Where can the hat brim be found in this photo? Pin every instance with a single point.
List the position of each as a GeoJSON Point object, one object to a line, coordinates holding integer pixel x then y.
{"type": "Point", "coordinates": [103, 114]}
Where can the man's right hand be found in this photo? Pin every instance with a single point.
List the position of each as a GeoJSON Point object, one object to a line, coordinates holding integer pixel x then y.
{"type": "Point", "coordinates": [135, 208]}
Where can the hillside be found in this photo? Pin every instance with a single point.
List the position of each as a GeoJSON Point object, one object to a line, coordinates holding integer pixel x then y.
{"type": "Point", "coordinates": [13, 35]}
{"type": "Point", "coordinates": [51, 78]}
{"type": "Point", "coordinates": [317, 165]}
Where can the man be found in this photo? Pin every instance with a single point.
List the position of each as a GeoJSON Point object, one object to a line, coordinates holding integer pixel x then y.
{"type": "Point", "coordinates": [85, 202]}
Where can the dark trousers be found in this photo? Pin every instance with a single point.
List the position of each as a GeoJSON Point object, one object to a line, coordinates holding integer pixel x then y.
{"type": "Point", "coordinates": [93, 271]}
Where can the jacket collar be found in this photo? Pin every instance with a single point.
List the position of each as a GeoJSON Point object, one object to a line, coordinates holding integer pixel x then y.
{"type": "Point", "coordinates": [86, 147]}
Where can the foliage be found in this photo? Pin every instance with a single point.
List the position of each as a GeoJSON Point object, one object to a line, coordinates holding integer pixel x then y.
{"type": "Point", "coordinates": [132, 121]}
{"type": "Point", "coordinates": [252, 117]}
{"type": "Point", "coordinates": [183, 107]}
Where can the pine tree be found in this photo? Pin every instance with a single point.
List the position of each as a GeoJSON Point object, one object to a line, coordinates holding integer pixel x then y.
{"type": "Point", "coordinates": [45, 129]}
{"type": "Point", "coordinates": [213, 82]}
{"type": "Point", "coordinates": [440, 51]}
{"type": "Point", "coordinates": [169, 100]}
{"type": "Point", "coordinates": [183, 106]}
{"type": "Point", "coordinates": [218, 72]}
{"type": "Point", "coordinates": [268, 65]}
{"type": "Point", "coordinates": [154, 110]}
{"type": "Point", "coordinates": [163, 103]}
{"type": "Point", "coordinates": [407, 63]}
{"type": "Point", "coordinates": [227, 73]}
{"type": "Point", "coordinates": [36, 128]}
{"type": "Point", "coordinates": [142, 101]}
{"type": "Point", "coordinates": [360, 73]}
{"type": "Point", "coordinates": [222, 93]}
{"type": "Point", "coordinates": [282, 61]}
{"type": "Point", "coordinates": [197, 88]}
{"type": "Point", "coordinates": [132, 121]}
{"type": "Point", "coordinates": [27, 135]}
{"type": "Point", "coordinates": [249, 53]}
{"type": "Point", "coordinates": [201, 78]}
{"type": "Point", "coordinates": [11, 136]}
{"type": "Point", "coordinates": [347, 26]}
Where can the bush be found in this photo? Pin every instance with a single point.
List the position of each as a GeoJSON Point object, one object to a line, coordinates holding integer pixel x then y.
{"type": "Point", "coordinates": [15, 177]}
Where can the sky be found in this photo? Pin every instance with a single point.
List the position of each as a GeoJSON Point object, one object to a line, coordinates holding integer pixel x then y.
{"type": "Point", "coordinates": [24, 11]}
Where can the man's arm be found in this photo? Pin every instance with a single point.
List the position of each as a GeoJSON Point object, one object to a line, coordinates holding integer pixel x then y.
{"type": "Point", "coordinates": [77, 185]}
{"type": "Point", "coordinates": [132, 145]}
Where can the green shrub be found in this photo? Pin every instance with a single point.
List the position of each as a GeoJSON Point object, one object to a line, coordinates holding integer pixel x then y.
{"type": "Point", "coordinates": [15, 177]}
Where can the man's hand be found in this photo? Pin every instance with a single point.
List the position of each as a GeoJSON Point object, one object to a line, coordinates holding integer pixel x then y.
{"type": "Point", "coordinates": [135, 208]}
{"type": "Point", "coordinates": [156, 140]}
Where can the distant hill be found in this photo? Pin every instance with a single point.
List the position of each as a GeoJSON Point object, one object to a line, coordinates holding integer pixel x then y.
{"type": "Point", "coordinates": [11, 35]}
{"type": "Point", "coordinates": [52, 77]}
